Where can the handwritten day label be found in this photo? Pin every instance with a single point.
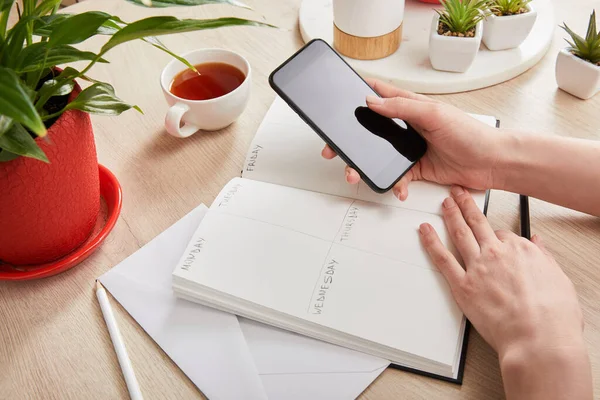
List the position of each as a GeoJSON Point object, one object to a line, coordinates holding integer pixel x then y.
{"type": "Point", "coordinates": [253, 156]}
{"type": "Point", "coordinates": [190, 258]}
{"type": "Point", "coordinates": [323, 289]}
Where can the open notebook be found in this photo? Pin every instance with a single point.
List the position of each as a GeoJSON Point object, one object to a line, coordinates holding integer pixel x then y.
{"type": "Point", "coordinates": [292, 245]}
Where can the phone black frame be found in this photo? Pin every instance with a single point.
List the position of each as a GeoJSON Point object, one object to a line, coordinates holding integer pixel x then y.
{"type": "Point", "coordinates": [322, 134]}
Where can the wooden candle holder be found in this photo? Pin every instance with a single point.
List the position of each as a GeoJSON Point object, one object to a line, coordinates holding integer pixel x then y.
{"type": "Point", "coordinates": [366, 48]}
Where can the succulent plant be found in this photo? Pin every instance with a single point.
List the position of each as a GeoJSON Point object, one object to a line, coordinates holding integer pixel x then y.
{"type": "Point", "coordinates": [508, 7]}
{"type": "Point", "coordinates": [460, 17]}
{"type": "Point", "coordinates": [587, 48]}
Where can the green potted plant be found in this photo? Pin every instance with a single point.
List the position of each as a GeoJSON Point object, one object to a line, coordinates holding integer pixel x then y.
{"type": "Point", "coordinates": [49, 182]}
{"type": "Point", "coordinates": [509, 24]}
{"type": "Point", "coordinates": [578, 65]}
{"type": "Point", "coordinates": [456, 33]}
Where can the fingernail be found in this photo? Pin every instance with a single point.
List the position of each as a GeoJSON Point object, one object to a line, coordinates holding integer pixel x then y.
{"type": "Point", "coordinates": [449, 202]}
{"type": "Point", "coordinates": [375, 100]}
{"type": "Point", "coordinates": [457, 190]}
{"type": "Point", "coordinates": [399, 194]}
{"type": "Point", "coordinates": [424, 229]}
{"type": "Point", "coordinates": [347, 173]}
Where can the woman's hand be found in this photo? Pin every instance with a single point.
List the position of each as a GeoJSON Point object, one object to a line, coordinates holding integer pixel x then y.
{"type": "Point", "coordinates": [519, 300]}
{"type": "Point", "coordinates": [461, 150]}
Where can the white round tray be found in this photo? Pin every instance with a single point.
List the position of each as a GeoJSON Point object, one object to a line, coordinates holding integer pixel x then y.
{"type": "Point", "coordinates": [410, 68]}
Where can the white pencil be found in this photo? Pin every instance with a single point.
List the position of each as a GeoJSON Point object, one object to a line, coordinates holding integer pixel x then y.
{"type": "Point", "coordinates": [119, 345]}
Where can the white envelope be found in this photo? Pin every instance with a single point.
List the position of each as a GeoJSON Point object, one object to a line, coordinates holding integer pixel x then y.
{"type": "Point", "coordinates": [223, 358]}
{"type": "Point", "coordinates": [206, 344]}
{"type": "Point", "coordinates": [294, 367]}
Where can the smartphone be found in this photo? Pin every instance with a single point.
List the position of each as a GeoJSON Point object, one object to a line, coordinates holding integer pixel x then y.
{"type": "Point", "coordinates": [330, 97]}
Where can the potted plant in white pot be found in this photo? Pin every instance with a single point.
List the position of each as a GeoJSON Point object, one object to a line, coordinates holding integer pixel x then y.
{"type": "Point", "coordinates": [578, 66]}
{"type": "Point", "coordinates": [456, 33]}
{"type": "Point", "coordinates": [49, 173]}
{"type": "Point", "coordinates": [509, 24]}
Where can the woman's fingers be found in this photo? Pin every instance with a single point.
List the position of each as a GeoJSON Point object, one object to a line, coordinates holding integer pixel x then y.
{"type": "Point", "coordinates": [443, 259]}
{"type": "Point", "coordinates": [328, 152]}
{"type": "Point", "coordinates": [504, 236]}
{"type": "Point", "coordinates": [386, 90]}
{"type": "Point", "coordinates": [400, 189]}
{"type": "Point", "coordinates": [415, 112]}
{"type": "Point", "coordinates": [537, 240]}
{"type": "Point", "coordinates": [352, 177]}
{"type": "Point", "coordinates": [460, 233]}
{"type": "Point", "coordinates": [473, 216]}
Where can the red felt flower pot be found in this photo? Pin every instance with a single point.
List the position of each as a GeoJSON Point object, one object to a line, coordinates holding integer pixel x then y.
{"type": "Point", "coordinates": [48, 210]}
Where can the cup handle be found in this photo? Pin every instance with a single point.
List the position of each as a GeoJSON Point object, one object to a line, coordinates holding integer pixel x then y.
{"type": "Point", "coordinates": [173, 122]}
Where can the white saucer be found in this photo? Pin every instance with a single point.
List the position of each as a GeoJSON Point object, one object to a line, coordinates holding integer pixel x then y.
{"type": "Point", "coordinates": [409, 67]}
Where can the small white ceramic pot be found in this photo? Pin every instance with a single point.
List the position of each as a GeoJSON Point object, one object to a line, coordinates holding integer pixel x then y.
{"type": "Point", "coordinates": [508, 32]}
{"type": "Point", "coordinates": [368, 18]}
{"type": "Point", "coordinates": [451, 53]}
{"type": "Point", "coordinates": [576, 76]}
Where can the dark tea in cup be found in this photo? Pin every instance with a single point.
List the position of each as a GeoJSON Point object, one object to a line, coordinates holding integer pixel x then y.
{"type": "Point", "coordinates": [213, 79]}
{"type": "Point", "coordinates": [210, 99]}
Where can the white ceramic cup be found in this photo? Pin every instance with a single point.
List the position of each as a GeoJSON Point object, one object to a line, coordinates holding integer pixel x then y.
{"type": "Point", "coordinates": [368, 18]}
{"type": "Point", "coordinates": [186, 117]}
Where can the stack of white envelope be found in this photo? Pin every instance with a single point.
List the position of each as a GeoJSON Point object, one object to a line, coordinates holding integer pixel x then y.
{"type": "Point", "coordinates": [227, 357]}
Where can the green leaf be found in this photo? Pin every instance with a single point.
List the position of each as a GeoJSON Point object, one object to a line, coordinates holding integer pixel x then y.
{"type": "Point", "coordinates": [44, 26]}
{"type": "Point", "coordinates": [110, 27]}
{"type": "Point", "coordinates": [77, 28]}
{"type": "Point", "coordinates": [589, 48]}
{"type": "Point", "coordinates": [6, 155]}
{"type": "Point", "coordinates": [156, 26]}
{"type": "Point", "coordinates": [100, 99]}
{"type": "Point", "coordinates": [5, 123]}
{"type": "Point", "coordinates": [18, 141]}
{"type": "Point", "coordinates": [591, 33]}
{"type": "Point", "coordinates": [32, 57]}
{"type": "Point", "coordinates": [159, 45]}
{"type": "Point", "coordinates": [571, 45]}
{"type": "Point", "coordinates": [58, 88]}
{"type": "Point", "coordinates": [170, 3]}
{"type": "Point", "coordinates": [461, 16]}
{"type": "Point", "coordinates": [6, 4]}
{"type": "Point", "coordinates": [14, 41]}
{"type": "Point", "coordinates": [28, 8]}
{"type": "Point", "coordinates": [16, 104]}
{"type": "Point", "coordinates": [509, 7]}
{"type": "Point", "coordinates": [45, 7]}
{"type": "Point", "coordinates": [5, 8]}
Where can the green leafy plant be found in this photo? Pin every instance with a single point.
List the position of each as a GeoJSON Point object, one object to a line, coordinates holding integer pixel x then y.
{"type": "Point", "coordinates": [509, 7]}
{"type": "Point", "coordinates": [459, 17]}
{"type": "Point", "coordinates": [34, 94]}
{"type": "Point", "coordinates": [587, 48]}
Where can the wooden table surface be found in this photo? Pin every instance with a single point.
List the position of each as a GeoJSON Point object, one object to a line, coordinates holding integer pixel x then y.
{"type": "Point", "coordinates": [53, 340]}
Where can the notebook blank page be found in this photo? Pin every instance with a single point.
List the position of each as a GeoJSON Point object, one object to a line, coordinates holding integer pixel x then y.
{"type": "Point", "coordinates": [347, 265]}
